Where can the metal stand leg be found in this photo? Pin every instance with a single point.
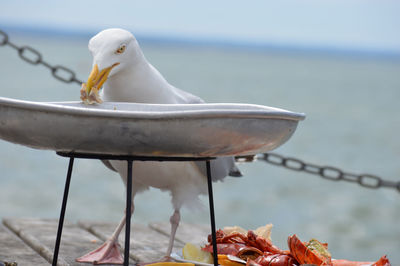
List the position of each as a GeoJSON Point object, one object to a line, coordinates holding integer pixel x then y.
{"type": "Point", "coordinates": [212, 215]}
{"type": "Point", "coordinates": [128, 213]}
{"type": "Point", "coordinates": [63, 207]}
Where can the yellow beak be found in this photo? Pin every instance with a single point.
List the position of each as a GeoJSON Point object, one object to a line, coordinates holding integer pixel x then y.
{"type": "Point", "coordinates": [96, 79]}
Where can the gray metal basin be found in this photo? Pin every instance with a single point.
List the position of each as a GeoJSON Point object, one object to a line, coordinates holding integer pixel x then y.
{"type": "Point", "coordinates": [187, 130]}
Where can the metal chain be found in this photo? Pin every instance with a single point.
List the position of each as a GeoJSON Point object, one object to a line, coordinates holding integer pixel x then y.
{"type": "Point", "coordinates": [32, 56]}
{"type": "Point", "coordinates": [66, 75]}
{"type": "Point", "coordinates": [5, 263]}
{"type": "Point", "coordinates": [326, 172]}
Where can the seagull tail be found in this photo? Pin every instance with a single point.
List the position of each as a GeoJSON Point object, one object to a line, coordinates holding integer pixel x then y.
{"type": "Point", "coordinates": [235, 172]}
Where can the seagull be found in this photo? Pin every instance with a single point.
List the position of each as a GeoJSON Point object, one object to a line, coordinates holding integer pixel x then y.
{"type": "Point", "coordinates": [121, 69]}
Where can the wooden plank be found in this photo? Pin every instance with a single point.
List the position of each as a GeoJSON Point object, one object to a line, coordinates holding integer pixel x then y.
{"type": "Point", "coordinates": [15, 226]}
{"type": "Point", "coordinates": [186, 233]}
{"type": "Point", "coordinates": [40, 235]}
{"type": "Point", "coordinates": [13, 249]}
{"type": "Point", "coordinates": [146, 244]}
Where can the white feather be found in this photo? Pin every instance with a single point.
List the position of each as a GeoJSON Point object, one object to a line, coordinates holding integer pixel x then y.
{"type": "Point", "coordinates": [136, 80]}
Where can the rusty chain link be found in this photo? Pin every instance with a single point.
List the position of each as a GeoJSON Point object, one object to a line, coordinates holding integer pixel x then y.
{"type": "Point", "coordinates": [326, 172]}
{"type": "Point", "coordinates": [34, 57]}
{"type": "Point", "coordinates": [66, 75]}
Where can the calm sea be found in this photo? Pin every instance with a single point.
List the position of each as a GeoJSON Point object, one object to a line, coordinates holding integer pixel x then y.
{"type": "Point", "coordinates": [352, 107]}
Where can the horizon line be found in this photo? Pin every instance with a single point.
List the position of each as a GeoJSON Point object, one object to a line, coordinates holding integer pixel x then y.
{"type": "Point", "coordinates": [176, 39]}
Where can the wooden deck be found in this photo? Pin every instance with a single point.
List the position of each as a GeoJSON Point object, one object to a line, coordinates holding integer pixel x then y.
{"type": "Point", "coordinates": [30, 241]}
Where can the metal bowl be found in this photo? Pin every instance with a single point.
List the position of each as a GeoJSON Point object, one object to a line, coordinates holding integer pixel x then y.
{"type": "Point", "coordinates": [114, 128]}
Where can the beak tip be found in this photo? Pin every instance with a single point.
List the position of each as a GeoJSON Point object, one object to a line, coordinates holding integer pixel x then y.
{"type": "Point", "coordinates": [97, 78]}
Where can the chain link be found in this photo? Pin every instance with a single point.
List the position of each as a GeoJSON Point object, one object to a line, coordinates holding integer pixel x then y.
{"type": "Point", "coordinates": [66, 75]}
{"type": "Point", "coordinates": [34, 57]}
{"type": "Point", "coordinates": [4, 38]}
{"type": "Point", "coordinates": [326, 172]}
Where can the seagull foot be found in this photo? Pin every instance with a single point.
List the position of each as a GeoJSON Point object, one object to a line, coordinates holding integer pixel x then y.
{"type": "Point", "coordinates": [108, 253]}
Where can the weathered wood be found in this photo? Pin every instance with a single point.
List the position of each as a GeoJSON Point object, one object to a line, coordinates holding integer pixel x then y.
{"type": "Point", "coordinates": [40, 235]}
{"type": "Point", "coordinates": [186, 233]}
{"type": "Point", "coordinates": [13, 249]}
{"type": "Point", "coordinates": [32, 240]}
{"type": "Point", "coordinates": [146, 244]}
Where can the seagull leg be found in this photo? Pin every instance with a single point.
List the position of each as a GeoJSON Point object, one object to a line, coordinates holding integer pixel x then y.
{"type": "Point", "coordinates": [174, 220]}
{"type": "Point", "coordinates": [108, 253]}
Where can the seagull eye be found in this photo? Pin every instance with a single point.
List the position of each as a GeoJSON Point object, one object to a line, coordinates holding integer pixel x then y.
{"type": "Point", "coordinates": [121, 49]}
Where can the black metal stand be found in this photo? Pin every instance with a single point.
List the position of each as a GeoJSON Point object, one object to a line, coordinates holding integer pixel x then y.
{"type": "Point", "coordinates": [212, 216]}
{"type": "Point", "coordinates": [130, 160]}
{"type": "Point", "coordinates": [63, 207]}
{"type": "Point", "coordinates": [128, 213]}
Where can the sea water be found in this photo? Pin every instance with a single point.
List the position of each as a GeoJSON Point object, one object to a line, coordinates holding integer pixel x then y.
{"type": "Point", "coordinates": [352, 108]}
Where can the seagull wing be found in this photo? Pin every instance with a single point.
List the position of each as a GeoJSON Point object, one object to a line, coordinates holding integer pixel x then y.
{"type": "Point", "coordinates": [220, 167]}
{"type": "Point", "coordinates": [109, 165]}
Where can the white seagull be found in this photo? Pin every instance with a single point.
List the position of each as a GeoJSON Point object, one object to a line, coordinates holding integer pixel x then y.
{"type": "Point", "coordinates": [119, 64]}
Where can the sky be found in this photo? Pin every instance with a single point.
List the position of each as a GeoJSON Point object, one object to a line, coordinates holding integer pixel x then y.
{"type": "Point", "coordinates": [342, 24]}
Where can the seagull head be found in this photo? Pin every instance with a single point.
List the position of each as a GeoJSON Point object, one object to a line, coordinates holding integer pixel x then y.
{"type": "Point", "coordinates": [113, 50]}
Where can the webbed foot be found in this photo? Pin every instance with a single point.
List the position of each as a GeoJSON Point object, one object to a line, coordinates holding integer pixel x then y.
{"type": "Point", "coordinates": [108, 253]}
